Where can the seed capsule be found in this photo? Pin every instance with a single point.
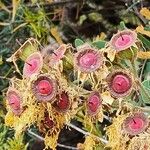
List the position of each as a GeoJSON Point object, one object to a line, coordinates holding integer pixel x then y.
{"type": "Point", "coordinates": [14, 101]}
{"type": "Point", "coordinates": [123, 40]}
{"type": "Point", "coordinates": [93, 104]}
{"type": "Point", "coordinates": [62, 104]}
{"type": "Point", "coordinates": [119, 83]}
{"type": "Point", "coordinates": [57, 55]}
{"type": "Point", "coordinates": [33, 64]}
{"type": "Point", "coordinates": [88, 59]}
{"type": "Point", "coordinates": [135, 124]}
{"type": "Point", "coordinates": [44, 88]}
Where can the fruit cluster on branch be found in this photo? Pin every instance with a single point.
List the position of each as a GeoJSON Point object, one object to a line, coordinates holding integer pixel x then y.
{"type": "Point", "coordinates": [87, 83]}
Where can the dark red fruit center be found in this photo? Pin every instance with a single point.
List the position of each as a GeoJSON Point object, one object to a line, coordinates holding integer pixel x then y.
{"type": "Point", "coordinates": [120, 84]}
{"type": "Point", "coordinates": [44, 87]}
{"type": "Point", "coordinates": [63, 102]}
{"type": "Point", "coordinates": [88, 60]}
{"type": "Point", "coordinates": [93, 103]}
{"type": "Point", "coordinates": [14, 101]}
{"type": "Point", "coordinates": [49, 122]}
{"type": "Point", "coordinates": [136, 124]}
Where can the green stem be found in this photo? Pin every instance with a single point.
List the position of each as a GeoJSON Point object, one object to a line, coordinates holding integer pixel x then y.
{"type": "Point", "coordinates": [139, 82]}
{"type": "Point", "coordinates": [143, 89]}
{"type": "Point", "coordinates": [134, 68]}
{"type": "Point", "coordinates": [8, 72]}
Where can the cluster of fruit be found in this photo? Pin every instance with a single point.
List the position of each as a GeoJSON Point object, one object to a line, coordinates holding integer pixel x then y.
{"type": "Point", "coordinates": [65, 83]}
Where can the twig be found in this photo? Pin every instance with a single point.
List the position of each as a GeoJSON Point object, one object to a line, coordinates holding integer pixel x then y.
{"type": "Point", "coordinates": [53, 4]}
{"type": "Point", "coordinates": [35, 135]}
{"type": "Point", "coordinates": [107, 118]}
{"type": "Point", "coordinates": [146, 109]}
{"type": "Point", "coordinates": [135, 10]}
{"type": "Point", "coordinates": [94, 6]}
{"type": "Point", "coordinates": [58, 144]}
{"type": "Point", "coordinates": [138, 14]}
{"type": "Point", "coordinates": [86, 133]}
{"type": "Point", "coordinates": [78, 129]}
{"type": "Point", "coordinates": [134, 4]}
{"type": "Point", "coordinates": [1, 77]}
{"type": "Point", "coordinates": [68, 147]}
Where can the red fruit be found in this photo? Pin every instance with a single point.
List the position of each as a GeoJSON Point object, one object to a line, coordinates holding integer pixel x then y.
{"type": "Point", "coordinates": [48, 122]}
{"type": "Point", "coordinates": [123, 40]}
{"type": "Point", "coordinates": [88, 59]}
{"type": "Point", "coordinates": [120, 83]}
{"type": "Point", "coordinates": [44, 88]}
{"type": "Point", "coordinates": [62, 103]}
{"type": "Point", "coordinates": [135, 124]}
{"type": "Point", "coordinates": [93, 104]}
{"type": "Point", "coordinates": [14, 101]}
{"type": "Point", "coordinates": [33, 64]}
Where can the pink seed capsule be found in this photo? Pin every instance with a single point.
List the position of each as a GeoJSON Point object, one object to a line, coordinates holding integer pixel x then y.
{"type": "Point", "coordinates": [33, 64]}
{"type": "Point", "coordinates": [88, 59]}
{"type": "Point", "coordinates": [135, 124]}
{"type": "Point", "coordinates": [62, 104]}
{"type": "Point", "coordinates": [93, 104]}
{"type": "Point", "coordinates": [57, 55]}
{"type": "Point", "coordinates": [44, 88]}
{"type": "Point", "coordinates": [123, 40]}
{"type": "Point", "coordinates": [119, 83]}
{"type": "Point", "coordinates": [14, 101]}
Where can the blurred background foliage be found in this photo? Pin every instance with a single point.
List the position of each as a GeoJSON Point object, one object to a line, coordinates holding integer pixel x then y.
{"type": "Point", "coordinates": [54, 22]}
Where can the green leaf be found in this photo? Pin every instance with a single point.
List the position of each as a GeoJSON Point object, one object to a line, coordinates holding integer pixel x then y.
{"type": "Point", "coordinates": [82, 19]}
{"type": "Point", "coordinates": [16, 144]}
{"type": "Point", "coordinates": [94, 16]}
{"type": "Point", "coordinates": [78, 42]}
{"type": "Point", "coordinates": [146, 86]}
{"type": "Point", "coordinates": [147, 28]}
{"type": "Point", "coordinates": [1, 60]}
{"type": "Point", "coordinates": [99, 44]}
{"type": "Point", "coordinates": [28, 48]}
{"type": "Point", "coordinates": [147, 70]}
{"type": "Point", "coordinates": [122, 25]}
{"type": "Point", "coordinates": [68, 62]}
{"type": "Point", "coordinates": [129, 54]}
{"type": "Point", "coordinates": [144, 40]}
